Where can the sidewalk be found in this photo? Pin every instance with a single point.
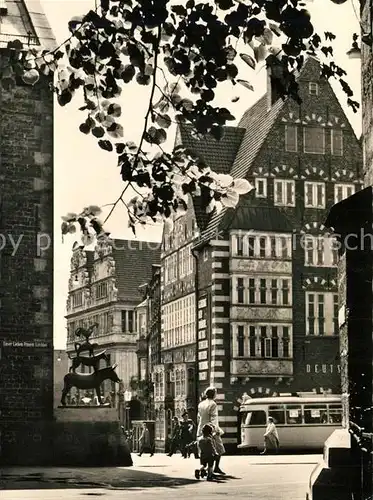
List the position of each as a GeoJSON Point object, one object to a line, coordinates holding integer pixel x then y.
{"type": "Point", "coordinates": [159, 470]}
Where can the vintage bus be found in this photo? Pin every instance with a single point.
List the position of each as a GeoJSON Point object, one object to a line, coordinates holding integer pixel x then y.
{"type": "Point", "coordinates": [302, 422]}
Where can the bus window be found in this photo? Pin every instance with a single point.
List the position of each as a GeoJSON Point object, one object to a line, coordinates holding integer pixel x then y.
{"type": "Point", "coordinates": [335, 414]}
{"type": "Point", "coordinates": [293, 414]}
{"type": "Point", "coordinates": [277, 413]}
{"type": "Point", "coordinates": [257, 417]}
{"type": "Point", "coordinates": [315, 414]}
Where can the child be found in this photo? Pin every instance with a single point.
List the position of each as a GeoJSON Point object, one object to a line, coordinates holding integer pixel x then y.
{"type": "Point", "coordinates": [207, 453]}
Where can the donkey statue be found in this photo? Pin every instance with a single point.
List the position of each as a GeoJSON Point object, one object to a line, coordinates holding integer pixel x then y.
{"type": "Point", "coordinates": [88, 381]}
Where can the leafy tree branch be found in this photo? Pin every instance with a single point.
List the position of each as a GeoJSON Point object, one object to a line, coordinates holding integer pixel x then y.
{"type": "Point", "coordinates": [195, 47]}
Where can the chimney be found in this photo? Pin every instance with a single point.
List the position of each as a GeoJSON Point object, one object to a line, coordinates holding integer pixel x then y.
{"type": "Point", "coordinates": [274, 76]}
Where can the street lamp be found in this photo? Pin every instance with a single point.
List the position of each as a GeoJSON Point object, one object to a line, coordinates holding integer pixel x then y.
{"type": "Point", "coordinates": [127, 399]}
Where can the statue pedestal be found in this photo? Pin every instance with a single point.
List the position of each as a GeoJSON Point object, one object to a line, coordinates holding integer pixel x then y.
{"type": "Point", "coordinates": [89, 436]}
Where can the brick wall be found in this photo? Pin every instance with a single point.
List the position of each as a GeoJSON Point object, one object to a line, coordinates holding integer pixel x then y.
{"type": "Point", "coordinates": [26, 273]}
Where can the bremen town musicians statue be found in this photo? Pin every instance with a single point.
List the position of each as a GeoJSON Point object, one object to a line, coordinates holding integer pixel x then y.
{"type": "Point", "coordinates": [89, 380]}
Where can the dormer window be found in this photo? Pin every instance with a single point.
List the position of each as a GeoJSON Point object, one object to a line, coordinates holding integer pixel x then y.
{"type": "Point", "coordinates": [313, 88]}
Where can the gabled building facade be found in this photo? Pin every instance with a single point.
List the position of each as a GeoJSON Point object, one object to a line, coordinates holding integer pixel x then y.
{"type": "Point", "coordinates": [266, 278]}
{"type": "Point", "coordinates": [104, 288]}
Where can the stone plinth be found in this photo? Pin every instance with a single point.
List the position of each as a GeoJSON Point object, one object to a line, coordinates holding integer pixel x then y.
{"type": "Point", "coordinates": [89, 436]}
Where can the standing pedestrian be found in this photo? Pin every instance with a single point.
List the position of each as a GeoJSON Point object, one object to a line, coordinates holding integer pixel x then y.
{"type": "Point", "coordinates": [271, 440]}
{"type": "Point", "coordinates": [208, 414]}
{"type": "Point", "coordinates": [186, 434]}
{"type": "Point", "coordinates": [175, 436]}
{"type": "Point", "coordinates": [145, 443]}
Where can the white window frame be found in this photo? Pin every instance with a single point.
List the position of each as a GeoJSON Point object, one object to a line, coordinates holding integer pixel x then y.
{"type": "Point", "coordinates": [295, 150]}
{"type": "Point", "coordinates": [311, 245]}
{"type": "Point", "coordinates": [344, 186]}
{"type": "Point", "coordinates": [328, 301]}
{"type": "Point", "coordinates": [315, 186]}
{"type": "Point", "coordinates": [284, 202]}
{"type": "Point", "coordinates": [304, 140]}
{"type": "Point", "coordinates": [264, 181]}
{"type": "Point", "coordinates": [332, 132]}
{"type": "Point", "coordinates": [258, 340]}
{"type": "Point", "coordinates": [313, 88]}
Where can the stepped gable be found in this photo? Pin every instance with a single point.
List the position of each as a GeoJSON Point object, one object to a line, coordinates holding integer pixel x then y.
{"type": "Point", "coordinates": [257, 122]}
{"type": "Point", "coordinates": [133, 266]}
{"type": "Point", "coordinates": [26, 21]}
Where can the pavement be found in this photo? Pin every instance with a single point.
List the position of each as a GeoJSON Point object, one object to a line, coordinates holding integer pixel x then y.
{"type": "Point", "coordinates": [280, 477]}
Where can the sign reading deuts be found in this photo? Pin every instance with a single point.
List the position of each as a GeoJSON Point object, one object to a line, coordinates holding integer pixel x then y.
{"type": "Point", "coordinates": [323, 368]}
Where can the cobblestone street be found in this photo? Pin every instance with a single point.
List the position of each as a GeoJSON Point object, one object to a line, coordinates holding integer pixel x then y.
{"type": "Point", "coordinates": [280, 477]}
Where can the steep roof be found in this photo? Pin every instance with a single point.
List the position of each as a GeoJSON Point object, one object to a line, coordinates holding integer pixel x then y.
{"type": "Point", "coordinates": [218, 155]}
{"type": "Point", "coordinates": [133, 266]}
{"type": "Point", "coordinates": [257, 121]}
{"type": "Point", "coordinates": [251, 214]}
{"type": "Point", "coordinates": [26, 21]}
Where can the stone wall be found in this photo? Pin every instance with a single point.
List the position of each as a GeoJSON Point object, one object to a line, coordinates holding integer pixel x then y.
{"type": "Point", "coordinates": [26, 271]}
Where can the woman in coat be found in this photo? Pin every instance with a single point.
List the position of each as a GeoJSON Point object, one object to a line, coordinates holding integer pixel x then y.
{"type": "Point", "coordinates": [271, 441]}
{"type": "Point", "coordinates": [208, 414]}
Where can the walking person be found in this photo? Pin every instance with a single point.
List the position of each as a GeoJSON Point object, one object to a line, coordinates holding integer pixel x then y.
{"type": "Point", "coordinates": [186, 434]}
{"type": "Point", "coordinates": [175, 436]}
{"type": "Point", "coordinates": [207, 454]}
{"type": "Point", "coordinates": [271, 440]}
{"type": "Point", "coordinates": [208, 414]}
{"type": "Point", "coordinates": [145, 443]}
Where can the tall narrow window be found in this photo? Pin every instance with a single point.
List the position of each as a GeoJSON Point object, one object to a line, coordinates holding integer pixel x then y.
{"type": "Point", "coordinates": [251, 291]}
{"type": "Point", "coordinates": [285, 292]}
{"type": "Point", "coordinates": [314, 140]}
{"type": "Point", "coordinates": [240, 341]}
{"type": "Point", "coordinates": [263, 336]}
{"type": "Point", "coordinates": [263, 291]}
{"type": "Point", "coordinates": [337, 142]}
{"type": "Point", "coordinates": [251, 246]}
{"type": "Point", "coordinates": [130, 322]}
{"type": "Point", "coordinates": [262, 247]}
{"type": "Point", "coordinates": [321, 314]}
{"type": "Point", "coordinates": [320, 251]}
{"type": "Point", "coordinates": [285, 342]}
{"type": "Point", "coordinates": [274, 342]}
{"type": "Point", "coordinates": [124, 321]}
{"type": "Point", "coordinates": [273, 246]}
{"type": "Point", "coordinates": [335, 314]}
{"type": "Point", "coordinates": [311, 314]}
{"type": "Point", "coordinates": [274, 292]}
{"type": "Point", "coordinates": [291, 138]}
{"type": "Point", "coordinates": [239, 242]}
{"type": "Point", "coordinates": [240, 290]}
{"type": "Point", "coordinates": [252, 341]}
{"type": "Point", "coordinates": [285, 247]}
{"type": "Point", "coordinates": [261, 187]}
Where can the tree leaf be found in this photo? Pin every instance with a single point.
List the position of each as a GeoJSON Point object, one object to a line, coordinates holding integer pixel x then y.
{"type": "Point", "coordinates": [230, 200]}
{"type": "Point", "coordinates": [163, 121]}
{"type": "Point", "coordinates": [105, 145]}
{"type": "Point", "coordinates": [246, 84]}
{"type": "Point", "coordinates": [267, 36]}
{"type": "Point", "coordinates": [248, 60]}
{"type": "Point", "coordinates": [242, 186]}
{"type": "Point", "coordinates": [260, 52]}
{"type": "Point", "coordinates": [98, 132]}
{"type": "Point", "coordinates": [275, 29]}
{"type": "Point", "coordinates": [116, 131]}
